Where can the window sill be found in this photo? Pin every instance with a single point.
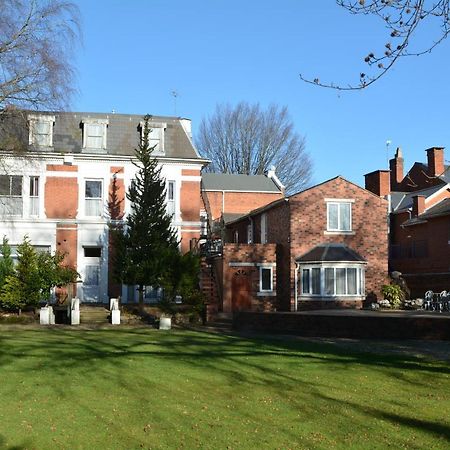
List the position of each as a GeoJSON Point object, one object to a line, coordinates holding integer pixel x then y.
{"type": "Point", "coordinates": [349, 233]}
{"type": "Point", "coordinates": [99, 151]}
{"type": "Point", "coordinates": [338, 298]}
{"type": "Point", "coordinates": [266, 294]}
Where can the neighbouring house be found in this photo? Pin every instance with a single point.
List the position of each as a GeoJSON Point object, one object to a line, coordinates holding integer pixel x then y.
{"type": "Point", "coordinates": [229, 196]}
{"type": "Point", "coordinates": [419, 238]}
{"type": "Point", "coordinates": [323, 247]}
{"type": "Point", "coordinates": [64, 176]}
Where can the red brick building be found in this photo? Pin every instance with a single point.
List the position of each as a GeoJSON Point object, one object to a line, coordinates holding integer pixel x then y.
{"type": "Point", "coordinates": [63, 180]}
{"type": "Point", "coordinates": [229, 196]}
{"type": "Point", "coordinates": [323, 247]}
{"type": "Point", "coordinates": [419, 237]}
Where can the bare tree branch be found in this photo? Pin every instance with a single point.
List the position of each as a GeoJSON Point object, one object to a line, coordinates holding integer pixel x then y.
{"type": "Point", "coordinates": [248, 140]}
{"type": "Point", "coordinates": [401, 18]}
{"type": "Point", "coordinates": [37, 39]}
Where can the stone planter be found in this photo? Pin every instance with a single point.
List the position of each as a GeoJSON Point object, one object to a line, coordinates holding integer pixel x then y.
{"type": "Point", "coordinates": [165, 323]}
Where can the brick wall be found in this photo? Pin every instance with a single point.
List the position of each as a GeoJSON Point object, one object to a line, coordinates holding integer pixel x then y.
{"type": "Point", "coordinates": [369, 235]}
{"type": "Point", "coordinates": [300, 224]}
{"type": "Point", "coordinates": [407, 257]}
{"type": "Point", "coordinates": [247, 254]}
{"type": "Point", "coordinates": [238, 202]}
{"type": "Point", "coordinates": [61, 197]}
{"type": "Point", "coordinates": [66, 242]}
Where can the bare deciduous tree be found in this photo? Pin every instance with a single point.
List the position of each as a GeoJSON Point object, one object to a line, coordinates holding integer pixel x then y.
{"type": "Point", "coordinates": [401, 18]}
{"type": "Point", "coordinates": [37, 38]}
{"type": "Point", "coordinates": [246, 139]}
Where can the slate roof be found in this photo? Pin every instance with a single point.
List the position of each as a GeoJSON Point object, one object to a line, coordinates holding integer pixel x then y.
{"type": "Point", "coordinates": [446, 175]}
{"type": "Point", "coordinates": [330, 253]}
{"type": "Point", "coordinates": [404, 200]}
{"type": "Point", "coordinates": [441, 209]}
{"type": "Point", "coordinates": [238, 183]}
{"type": "Point", "coordinates": [123, 133]}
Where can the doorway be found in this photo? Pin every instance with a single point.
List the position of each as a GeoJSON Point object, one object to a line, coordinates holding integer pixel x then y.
{"type": "Point", "coordinates": [241, 291]}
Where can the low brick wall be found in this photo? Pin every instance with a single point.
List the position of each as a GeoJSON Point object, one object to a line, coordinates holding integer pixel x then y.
{"type": "Point", "coordinates": [366, 324]}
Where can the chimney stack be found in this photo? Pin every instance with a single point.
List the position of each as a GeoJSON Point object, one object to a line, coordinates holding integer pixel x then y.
{"type": "Point", "coordinates": [435, 161]}
{"type": "Point", "coordinates": [378, 182]}
{"type": "Point", "coordinates": [418, 205]}
{"type": "Point", "coordinates": [396, 166]}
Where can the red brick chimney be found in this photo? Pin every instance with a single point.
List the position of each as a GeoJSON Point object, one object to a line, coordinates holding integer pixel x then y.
{"type": "Point", "coordinates": [378, 182]}
{"type": "Point", "coordinates": [418, 205]}
{"type": "Point", "coordinates": [396, 166]}
{"type": "Point", "coordinates": [435, 161]}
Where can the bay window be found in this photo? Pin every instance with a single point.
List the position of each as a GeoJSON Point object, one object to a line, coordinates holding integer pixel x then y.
{"type": "Point", "coordinates": [332, 280]}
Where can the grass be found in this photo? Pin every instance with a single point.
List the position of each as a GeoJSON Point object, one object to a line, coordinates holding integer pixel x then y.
{"type": "Point", "coordinates": [128, 388]}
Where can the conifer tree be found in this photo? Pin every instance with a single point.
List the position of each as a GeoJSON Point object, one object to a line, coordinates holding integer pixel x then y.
{"type": "Point", "coordinates": [148, 241]}
{"type": "Point", "coordinates": [6, 261]}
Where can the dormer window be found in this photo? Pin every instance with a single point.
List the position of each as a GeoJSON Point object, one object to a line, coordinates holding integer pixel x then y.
{"type": "Point", "coordinates": [41, 130]}
{"type": "Point", "coordinates": [155, 136]}
{"type": "Point", "coordinates": [94, 134]}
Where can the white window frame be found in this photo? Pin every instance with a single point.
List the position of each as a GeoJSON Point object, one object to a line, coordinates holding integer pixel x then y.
{"type": "Point", "coordinates": [261, 268]}
{"type": "Point", "coordinates": [171, 202]}
{"type": "Point", "coordinates": [34, 200]}
{"type": "Point", "coordinates": [100, 180]}
{"type": "Point", "coordinates": [250, 233]}
{"type": "Point", "coordinates": [158, 127]}
{"type": "Point", "coordinates": [360, 280]}
{"type": "Point", "coordinates": [87, 122]}
{"type": "Point", "coordinates": [33, 121]}
{"type": "Point", "coordinates": [339, 202]}
{"type": "Point", "coordinates": [263, 228]}
{"type": "Point", "coordinates": [9, 197]}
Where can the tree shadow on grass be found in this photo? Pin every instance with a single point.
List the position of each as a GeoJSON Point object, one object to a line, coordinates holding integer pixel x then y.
{"type": "Point", "coordinates": [281, 366]}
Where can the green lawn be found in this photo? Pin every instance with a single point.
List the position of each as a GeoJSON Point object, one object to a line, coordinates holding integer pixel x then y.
{"type": "Point", "coordinates": [127, 388]}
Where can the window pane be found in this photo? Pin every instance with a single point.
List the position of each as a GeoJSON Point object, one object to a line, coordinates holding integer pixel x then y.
{"type": "Point", "coordinates": [92, 252]}
{"type": "Point", "coordinates": [340, 281]}
{"type": "Point", "coordinates": [170, 190]}
{"type": "Point", "coordinates": [266, 279]}
{"type": "Point", "coordinates": [94, 130]}
{"type": "Point", "coordinates": [34, 186]}
{"type": "Point", "coordinates": [5, 184]}
{"type": "Point", "coordinates": [305, 281]}
{"type": "Point", "coordinates": [333, 223]}
{"type": "Point", "coordinates": [42, 128]}
{"type": "Point", "coordinates": [315, 281]}
{"type": "Point", "coordinates": [329, 281]}
{"type": "Point", "coordinates": [92, 276]}
{"type": "Point", "coordinates": [16, 185]}
{"type": "Point", "coordinates": [351, 281]}
{"type": "Point", "coordinates": [361, 282]}
{"type": "Point", "coordinates": [94, 142]}
{"type": "Point", "coordinates": [93, 189]}
{"type": "Point", "coordinates": [345, 224]}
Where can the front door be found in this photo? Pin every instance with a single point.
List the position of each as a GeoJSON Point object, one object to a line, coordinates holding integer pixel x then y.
{"type": "Point", "coordinates": [91, 283]}
{"type": "Point", "coordinates": [91, 274]}
{"type": "Point", "coordinates": [241, 291]}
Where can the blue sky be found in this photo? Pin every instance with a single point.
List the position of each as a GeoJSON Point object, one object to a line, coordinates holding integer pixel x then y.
{"type": "Point", "coordinates": [136, 52]}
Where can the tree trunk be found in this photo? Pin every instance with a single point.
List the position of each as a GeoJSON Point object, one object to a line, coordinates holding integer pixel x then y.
{"type": "Point", "coordinates": [141, 296]}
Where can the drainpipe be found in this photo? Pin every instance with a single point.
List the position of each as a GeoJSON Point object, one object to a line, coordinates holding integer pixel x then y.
{"type": "Point", "coordinates": [296, 287]}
